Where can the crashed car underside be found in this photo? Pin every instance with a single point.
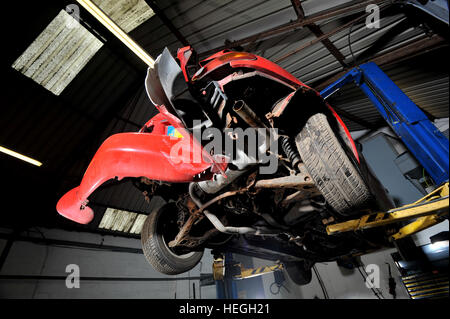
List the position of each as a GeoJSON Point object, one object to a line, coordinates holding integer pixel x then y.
{"type": "Point", "coordinates": [223, 201]}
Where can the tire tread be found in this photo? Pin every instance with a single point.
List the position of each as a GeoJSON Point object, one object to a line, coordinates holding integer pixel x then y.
{"type": "Point", "coordinates": [331, 169]}
{"type": "Point", "coordinates": [156, 253]}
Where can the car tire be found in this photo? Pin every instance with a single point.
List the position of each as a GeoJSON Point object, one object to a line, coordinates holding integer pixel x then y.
{"type": "Point", "coordinates": [298, 272]}
{"type": "Point", "coordinates": [333, 166]}
{"type": "Point", "coordinates": [155, 244]}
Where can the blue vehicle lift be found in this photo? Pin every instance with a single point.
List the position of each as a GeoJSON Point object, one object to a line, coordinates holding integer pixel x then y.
{"type": "Point", "coordinates": [429, 146]}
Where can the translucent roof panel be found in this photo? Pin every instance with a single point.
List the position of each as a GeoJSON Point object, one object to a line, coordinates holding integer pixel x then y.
{"type": "Point", "coordinates": [58, 54]}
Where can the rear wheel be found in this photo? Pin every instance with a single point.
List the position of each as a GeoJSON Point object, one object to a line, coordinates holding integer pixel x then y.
{"type": "Point", "coordinates": [158, 230]}
{"type": "Point", "coordinates": [299, 272]}
{"type": "Point", "coordinates": [332, 165]}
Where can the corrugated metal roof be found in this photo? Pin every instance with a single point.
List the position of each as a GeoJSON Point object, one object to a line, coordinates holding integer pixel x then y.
{"type": "Point", "coordinates": [316, 63]}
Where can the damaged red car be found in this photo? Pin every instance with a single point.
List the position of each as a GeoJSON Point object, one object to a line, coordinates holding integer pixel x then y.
{"type": "Point", "coordinates": [221, 197]}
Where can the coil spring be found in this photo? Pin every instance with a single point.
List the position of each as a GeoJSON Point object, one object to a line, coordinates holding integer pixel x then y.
{"type": "Point", "coordinates": [290, 151]}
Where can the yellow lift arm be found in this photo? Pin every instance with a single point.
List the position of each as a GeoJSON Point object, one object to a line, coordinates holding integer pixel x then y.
{"type": "Point", "coordinates": [427, 211]}
{"type": "Point", "coordinates": [239, 271]}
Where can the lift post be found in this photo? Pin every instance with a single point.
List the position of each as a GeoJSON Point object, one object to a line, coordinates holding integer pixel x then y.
{"type": "Point", "coordinates": [421, 137]}
{"type": "Point", "coordinates": [429, 146]}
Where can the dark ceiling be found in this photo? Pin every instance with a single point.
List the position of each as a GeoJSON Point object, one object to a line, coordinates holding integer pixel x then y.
{"type": "Point", "coordinates": [61, 131]}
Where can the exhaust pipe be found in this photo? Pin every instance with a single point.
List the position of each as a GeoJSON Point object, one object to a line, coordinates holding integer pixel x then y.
{"type": "Point", "coordinates": [247, 114]}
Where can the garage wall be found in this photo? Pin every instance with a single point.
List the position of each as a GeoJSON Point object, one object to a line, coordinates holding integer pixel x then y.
{"type": "Point", "coordinates": [27, 258]}
{"type": "Point", "coordinates": [339, 283]}
{"type": "Point", "coordinates": [32, 259]}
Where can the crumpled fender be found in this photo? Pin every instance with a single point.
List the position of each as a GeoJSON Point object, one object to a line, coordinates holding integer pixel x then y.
{"type": "Point", "coordinates": [245, 60]}
{"type": "Point", "coordinates": [139, 154]}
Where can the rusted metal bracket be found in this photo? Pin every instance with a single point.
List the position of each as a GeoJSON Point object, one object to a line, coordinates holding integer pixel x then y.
{"type": "Point", "coordinates": [346, 9]}
{"type": "Point", "coordinates": [183, 238]}
{"type": "Point", "coordinates": [300, 181]}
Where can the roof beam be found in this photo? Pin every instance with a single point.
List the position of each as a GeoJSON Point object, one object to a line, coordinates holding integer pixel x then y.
{"type": "Point", "coordinates": [298, 9]}
{"type": "Point", "coordinates": [323, 15]}
{"type": "Point", "coordinates": [317, 31]}
{"type": "Point", "coordinates": [152, 4]}
{"type": "Point", "coordinates": [320, 38]}
{"type": "Point", "coordinates": [420, 46]}
{"type": "Point", "coordinates": [314, 28]}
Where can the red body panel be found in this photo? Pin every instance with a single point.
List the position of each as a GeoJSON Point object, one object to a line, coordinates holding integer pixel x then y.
{"type": "Point", "coordinates": [247, 60]}
{"type": "Point", "coordinates": [183, 55]}
{"type": "Point", "coordinates": [135, 155]}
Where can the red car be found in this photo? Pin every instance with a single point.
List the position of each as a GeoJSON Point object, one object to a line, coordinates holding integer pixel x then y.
{"type": "Point", "coordinates": [225, 200]}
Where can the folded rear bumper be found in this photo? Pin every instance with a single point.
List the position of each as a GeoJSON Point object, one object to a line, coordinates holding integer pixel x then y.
{"type": "Point", "coordinates": [154, 155]}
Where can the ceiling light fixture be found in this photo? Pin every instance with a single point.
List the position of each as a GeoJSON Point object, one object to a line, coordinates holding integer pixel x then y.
{"type": "Point", "coordinates": [20, 156]}
{"type": "Point", "coordinates": [117, 31]}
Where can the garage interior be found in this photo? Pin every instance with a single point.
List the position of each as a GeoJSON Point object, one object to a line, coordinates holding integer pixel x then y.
{"type": "Point", "coordinates": [70, 83]}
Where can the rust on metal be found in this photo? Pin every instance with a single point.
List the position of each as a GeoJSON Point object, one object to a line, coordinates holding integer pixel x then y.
{"type": "Point", "coordinates": [323, 15]}
{"type": "Point", "coordinates": [300, 181]}
{"type": "Point", "coordinates": [247, 114]}
{"type": "Point", "coordinates": [420, 46]}
{"type": "Point", "coordinates": [321, 38]}
{"type": "Point", "coordinates": [317, 31]}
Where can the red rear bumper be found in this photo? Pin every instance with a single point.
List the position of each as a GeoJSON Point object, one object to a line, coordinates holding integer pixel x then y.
{"type": "Point", "coordinates": [153, 155]}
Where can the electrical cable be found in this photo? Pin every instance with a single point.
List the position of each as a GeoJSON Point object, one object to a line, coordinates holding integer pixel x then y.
{"type": "Point", "coordinates": [189, 284]}
{"type": "Point", "coordinates": [374, 292]}
{"type": "Point", "coordinates": [322, 285]}
{"type": "Point", "coordinates": [350, 33]}
{"type": "Point", "coordinates": [425, 178]}
{"type": "Point", "coordinates": [378, 294]}
{"type": "Point", "coordinates": [274, 292]}
{"type": "Point", "coordinates": [279, 286]}
{"type": "Point", "coordinates": [68, 246]}
{"type": "Point", "coordinates": [350, 44]}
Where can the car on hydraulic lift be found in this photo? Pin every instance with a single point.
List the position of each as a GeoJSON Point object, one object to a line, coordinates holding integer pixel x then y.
{"type": "Point", "coordinates": [224, 202]}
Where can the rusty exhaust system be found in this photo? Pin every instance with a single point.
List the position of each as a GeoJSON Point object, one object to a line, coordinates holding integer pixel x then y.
{"type": "Point", "coordinates": [246, 113]}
